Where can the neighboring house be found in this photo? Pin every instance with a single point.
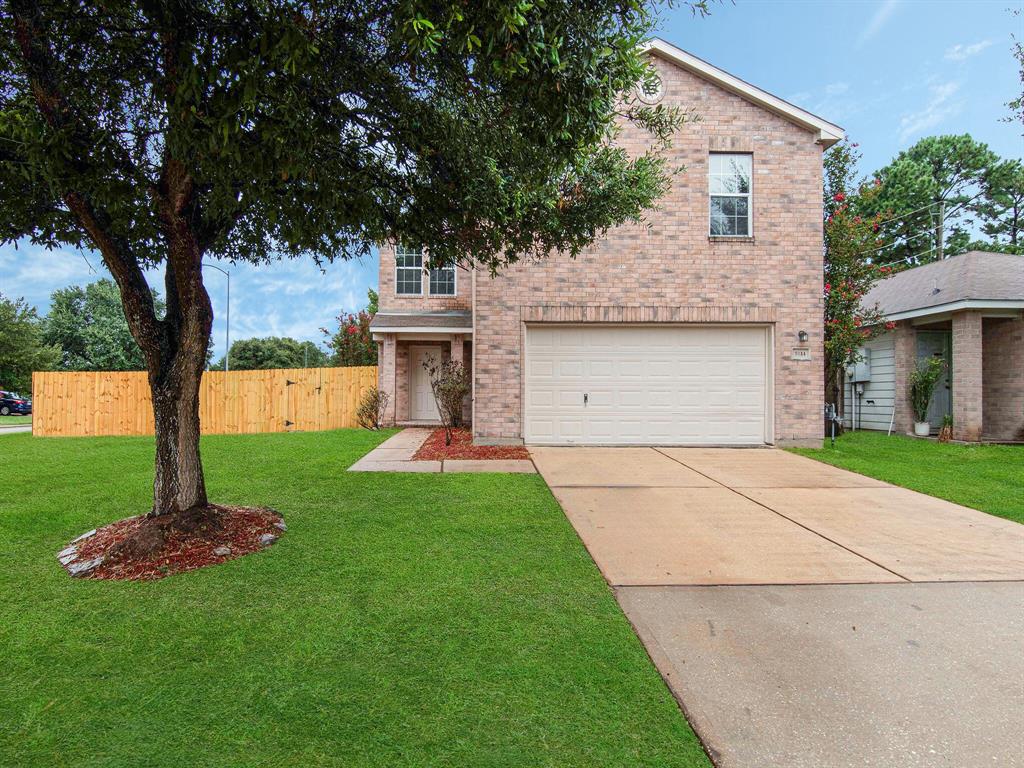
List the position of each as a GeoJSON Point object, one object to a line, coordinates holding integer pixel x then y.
{"type": "Point", "coordinates": [702, 326]}
{"type": "Point", "coordinates": [966, 310]}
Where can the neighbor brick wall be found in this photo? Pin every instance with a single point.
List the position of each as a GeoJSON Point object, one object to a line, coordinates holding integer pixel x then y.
{"type": "Point", "coordinates": [669, 270]}
{"type": "Point", "coordinates": [1003, 378]}
{"type": "Point", "coordinates": [967, 375]}
{"type": "Point", "coordinates": [904, 361]}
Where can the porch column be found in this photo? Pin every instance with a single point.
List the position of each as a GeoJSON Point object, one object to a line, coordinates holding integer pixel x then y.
{"type": "Point", "coordinates": [966, 378]}
{"type": "Point", "coordinates": [456, 349]}
{"type": "Point", "coordinates": [905, 359]}
{"type": "Point", "coordinates": [386, 375]}
{"type": "Point", "coordinates": [458, 353]}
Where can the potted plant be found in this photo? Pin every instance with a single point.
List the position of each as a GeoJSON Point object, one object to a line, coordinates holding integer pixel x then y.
{"type": "Point", "coordinates": [922, 385]}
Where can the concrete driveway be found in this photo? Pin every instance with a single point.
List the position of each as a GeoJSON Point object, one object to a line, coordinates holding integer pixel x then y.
{"type": "Point", "coordinates": [808, 616]}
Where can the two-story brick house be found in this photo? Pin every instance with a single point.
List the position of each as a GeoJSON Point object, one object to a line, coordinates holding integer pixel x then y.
{"type": "Point", "coordinates": [702, 326]}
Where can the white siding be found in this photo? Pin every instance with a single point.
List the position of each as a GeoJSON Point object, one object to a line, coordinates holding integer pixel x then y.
{"type": "Point", "coordinates": [875, 408]}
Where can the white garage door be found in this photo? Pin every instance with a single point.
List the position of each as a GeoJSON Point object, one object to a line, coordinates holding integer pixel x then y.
{"type": "Point", "coordinates": [670, 385]}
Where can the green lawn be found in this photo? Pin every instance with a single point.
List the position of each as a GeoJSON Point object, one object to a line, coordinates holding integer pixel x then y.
{"type": "Point", "coordinates": [7, 420]}
{"type": "Point", "coordinates": [413, 620]}
{"type": "Point", "coordinates": [985, 477]}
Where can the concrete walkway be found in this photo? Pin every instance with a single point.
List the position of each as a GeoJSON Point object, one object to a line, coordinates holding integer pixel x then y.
{"type": "Point", "coordinates": [395, 455]}
{"type": "Point", "coordinates": [777, 596]}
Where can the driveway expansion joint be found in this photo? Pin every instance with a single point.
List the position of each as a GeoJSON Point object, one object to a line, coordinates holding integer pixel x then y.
{"type": "Point", "coordinates": [775, 511]}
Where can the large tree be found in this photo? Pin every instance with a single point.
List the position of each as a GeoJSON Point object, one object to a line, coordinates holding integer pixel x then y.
{"type": "Point", "coordinates": [274, 352]}
{"type": "Point", "coordinates": [88, 325]}
{"type": "Point", "coordinates": [928, 196]}
{"type": "Point", "coordinates": [163, 132]}
{"type": "Point", "coordinates": [1000, 209]}
{"type": "Point", "coordinates": [22, 349]}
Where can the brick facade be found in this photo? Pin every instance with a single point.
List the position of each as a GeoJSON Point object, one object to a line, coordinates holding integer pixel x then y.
{"type": "Point", "coordinates": [904, 361]}
{"type": "Point", "coordinates": [1002, 366]}
{"type": "Point", "coordinates": [966, 376]}
{"type": "Point", "coordinates": [389, 301]}
{"type": "Point", "coordinates": [668, 269]}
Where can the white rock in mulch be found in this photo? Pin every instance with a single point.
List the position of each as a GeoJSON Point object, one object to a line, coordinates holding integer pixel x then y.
{"type": "Point", "coordinates": [85, 535]}
{"type": "Point", "coordinates": [280, 524]}
{"type": "Point", "coordinates": [222, 551]}
{"type": "Point", "coordinates": [80, 569]}
{"type": "Point", "coordinates": [267, 539]}
{"type": "Point", "coordinates": [67, 554]}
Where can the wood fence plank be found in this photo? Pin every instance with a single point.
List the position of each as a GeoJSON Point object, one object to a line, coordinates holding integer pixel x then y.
{"type": "Point", "coordinates": [237, 402]}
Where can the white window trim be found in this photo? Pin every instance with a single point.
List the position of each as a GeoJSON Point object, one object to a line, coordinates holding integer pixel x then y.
{"type": "Point", "coordinates": [455, 282]}
{"type": "Point", "coordinates": [748, 195]}
{"type": "Point", "coordinates": [404, 293]}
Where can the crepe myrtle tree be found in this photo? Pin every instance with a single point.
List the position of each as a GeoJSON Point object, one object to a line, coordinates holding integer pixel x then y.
{"type": "Point", "coordinates": [851, 238]}
{"type": "Point", "coordinates": [163, 132]}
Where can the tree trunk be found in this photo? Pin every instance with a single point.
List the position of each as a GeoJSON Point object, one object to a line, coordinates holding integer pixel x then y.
{"type": "Point", "coordinates": [178, 484]}
{"type": "Point", "coordinates": [175, 376]}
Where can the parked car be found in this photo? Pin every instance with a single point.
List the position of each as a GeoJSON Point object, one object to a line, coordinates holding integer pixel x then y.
{"type": "Point", "coordinates": [13, 403]}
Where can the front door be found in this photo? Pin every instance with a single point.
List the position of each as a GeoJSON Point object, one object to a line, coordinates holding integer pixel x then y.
{"type": "Point", "coordinates": [937, 344]}
{"type": "Point", "coordinates": [422, 406]}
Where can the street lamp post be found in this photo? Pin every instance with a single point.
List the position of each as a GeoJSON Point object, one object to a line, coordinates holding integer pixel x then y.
{"type": "Point", "coordinates": [227, 315]}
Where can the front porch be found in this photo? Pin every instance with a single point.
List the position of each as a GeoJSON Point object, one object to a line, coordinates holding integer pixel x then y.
{"type": "Point", "coordinates": [405, 342]}
{"type": "Point", "coordinates": [982, 387]}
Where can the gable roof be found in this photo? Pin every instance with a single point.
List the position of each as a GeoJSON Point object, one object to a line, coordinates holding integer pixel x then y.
{"type": "Point", "coordinates": [976, 279]}
{"type": "Point", "coordinates": [828, 133]}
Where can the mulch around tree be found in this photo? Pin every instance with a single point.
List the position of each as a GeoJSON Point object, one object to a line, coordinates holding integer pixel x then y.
{"type": "Point", "coordinates": [230, 533]}
{"type": "Point", "coordinates": [434, 449]}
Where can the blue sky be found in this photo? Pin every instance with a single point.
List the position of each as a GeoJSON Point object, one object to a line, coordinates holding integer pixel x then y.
{"type": "Point", "coordinates": [888, 71]}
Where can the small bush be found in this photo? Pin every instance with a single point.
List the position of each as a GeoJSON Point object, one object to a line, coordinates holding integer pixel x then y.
{"type": "Point", "coordinates": [450, 383]}
{"type": "Point", "coordinates": [372, 408]}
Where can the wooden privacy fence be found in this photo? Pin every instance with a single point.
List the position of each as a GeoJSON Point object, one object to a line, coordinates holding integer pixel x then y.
{"type": "Point", "coordinates": [236, 402]}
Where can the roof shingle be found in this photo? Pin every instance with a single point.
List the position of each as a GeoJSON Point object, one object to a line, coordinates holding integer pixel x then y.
{"type": "Point", "coordinates": [975, 275]}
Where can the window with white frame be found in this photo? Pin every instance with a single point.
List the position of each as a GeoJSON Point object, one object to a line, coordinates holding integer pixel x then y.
{"type": "Point", "coordinates": [729, 186]}
{"type": "Point", "coordinates": [408, 270]}
{"type": "Point", "coordinates": [442, 281]}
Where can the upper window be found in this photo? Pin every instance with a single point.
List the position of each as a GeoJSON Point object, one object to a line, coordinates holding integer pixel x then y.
{"type": "Point", "coordinates": [729, 185]}
{"type": "Point", "coordinates": [408, 270]}
{"type": "Point", "coordinates": [442, 281]}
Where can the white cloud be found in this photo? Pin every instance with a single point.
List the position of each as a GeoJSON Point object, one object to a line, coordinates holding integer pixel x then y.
{"type": "Point", "coordinates": [878, 20]}
{"type": "Point", "coordinates": [961, 52]}
{"type": "Point", "coordinates": [284, 298]}
{"type": "Point", "coordinates": [940, 107]}
{"type": "Point", "coordinates": [836, 89]}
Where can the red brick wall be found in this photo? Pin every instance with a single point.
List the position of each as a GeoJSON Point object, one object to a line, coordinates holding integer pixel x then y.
{"type": "Point", "coordinates": [1003, 378]}
{"type": "Point", "coordinates": [669, 267]}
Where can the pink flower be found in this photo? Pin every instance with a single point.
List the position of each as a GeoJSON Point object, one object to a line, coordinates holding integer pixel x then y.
{"type": "Point", "coordinates": [839, 197]}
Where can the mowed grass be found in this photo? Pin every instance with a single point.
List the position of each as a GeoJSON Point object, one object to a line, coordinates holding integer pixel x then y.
{"type": "Point", "coordinates": [403, 620]}
{"type": "Point", "coordinates": [8, 420]}
{"type": "Point", "coordinates": [985, 477]}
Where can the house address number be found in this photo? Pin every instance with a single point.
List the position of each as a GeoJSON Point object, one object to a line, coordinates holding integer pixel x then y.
{"type": "Point", "coordinates": [801, 354]}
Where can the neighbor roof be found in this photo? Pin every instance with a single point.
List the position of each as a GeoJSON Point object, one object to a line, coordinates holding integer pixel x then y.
{"type": "Point", "coordinates": [975, 279]}
{"type": "Point", "coordinates": [410, 322]}
{"type": "Point", "coordinates": [828, 133]}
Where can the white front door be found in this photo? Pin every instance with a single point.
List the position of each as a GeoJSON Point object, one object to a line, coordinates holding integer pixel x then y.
{"type": "Point", "coordinates": [647, 385]}
{"type": "Point", "coordinates": [422, 406]}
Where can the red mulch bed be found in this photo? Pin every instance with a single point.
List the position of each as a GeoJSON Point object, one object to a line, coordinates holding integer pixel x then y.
{"type": "Point", "coordinates": [238, 528]}
{"type": "Point", "coordinates": [434, 449]}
